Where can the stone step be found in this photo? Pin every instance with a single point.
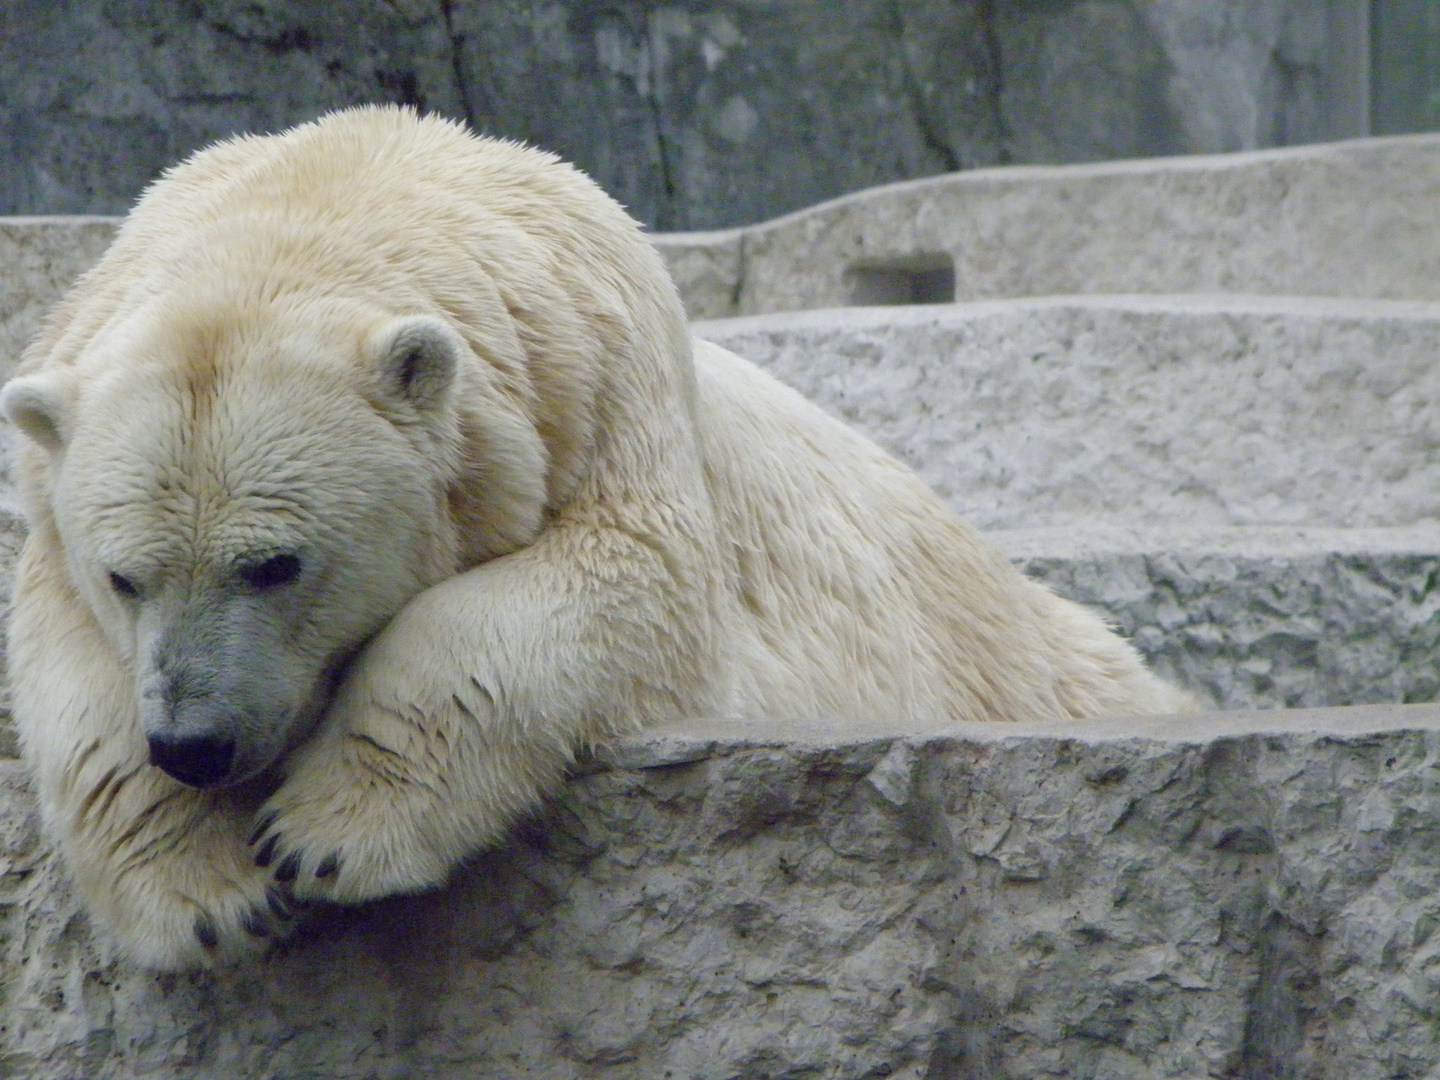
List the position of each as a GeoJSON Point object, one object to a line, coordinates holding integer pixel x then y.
{"type": "Point", "coordinates": [1194, 410]}
{"type": "Point", "coordinates": [1248, 894]}
{"type": "Point", "coordinates": [1356, 218]}
{"type": "Point", "coordinates": [1253, 618]}
{"type": "Point", "coordinates": [1247, 487]}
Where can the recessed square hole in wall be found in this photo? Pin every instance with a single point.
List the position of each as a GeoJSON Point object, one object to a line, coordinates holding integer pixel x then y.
{"type": "Point", "coordinates": [912, 279]}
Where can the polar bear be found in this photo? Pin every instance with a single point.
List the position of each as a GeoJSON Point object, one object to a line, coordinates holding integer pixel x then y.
{"type": "Point", "coordinates": [374, 471]}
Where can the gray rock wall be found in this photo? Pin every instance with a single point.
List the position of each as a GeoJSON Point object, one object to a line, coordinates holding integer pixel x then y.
{"type": "Point", "coordinates": [694, 115]}
{"type": "Point", "coordinates": [40, 258]}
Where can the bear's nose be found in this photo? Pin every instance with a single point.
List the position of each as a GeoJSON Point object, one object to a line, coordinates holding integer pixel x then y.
{"type": "Point", "coordinates": [198, 761]}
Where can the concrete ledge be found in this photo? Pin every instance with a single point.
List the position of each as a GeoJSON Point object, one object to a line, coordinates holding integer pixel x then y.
{"type": "Point", "coordinates": [1339, 219]}
{"type": "Point", "coordinates": [1259, 617]}
{"type": "Point", "coordinates": [1236, 894]}
{"type": "Point", "coordinates": [1068, 411]}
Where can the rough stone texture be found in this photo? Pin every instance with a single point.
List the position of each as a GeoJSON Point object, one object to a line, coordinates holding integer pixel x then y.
{"type": "Point", "coordinates": [1247, 487]}
{"type": "Point", "coordinates": [1239, 895]}
{"type": "Point", "coordinates": [695, 115]}
{"type": "Point", "coordinates": [1259, 617]}
{"type": "Point", "coordinates": [1347, 219]}
{"type": "Point", "coordinates": [12, 536]}
{"type": "Point", "coordinates": [1067, 411]}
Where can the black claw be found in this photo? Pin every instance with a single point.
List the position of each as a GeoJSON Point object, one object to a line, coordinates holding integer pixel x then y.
{"type": "Point", "coordinates": [267, 852]}
{"type": "Point", "coordinates": [287, 870]}
{"type": "Point", "coordinates": [205, 931]}
{"type": "Point", "coordinates": [255, 924]}
{"type": "Point", "coordinates": [276, 899]}
{"type": "Point", "coordinates": [328, 865]}
{"type": "Point", "coordinates": [262, 827]}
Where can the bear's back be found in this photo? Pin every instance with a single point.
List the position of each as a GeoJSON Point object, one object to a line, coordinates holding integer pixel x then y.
{"type": "Point", "coordinates": [375, 196]}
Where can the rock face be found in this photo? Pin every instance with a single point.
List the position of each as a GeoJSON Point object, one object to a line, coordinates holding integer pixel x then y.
{"type": "Point", "coordinates": [1259, 618]}
{"type": "Point", "coordinates": [1239, 895]}
{"type": "Point", "coordinates": [694, 116]}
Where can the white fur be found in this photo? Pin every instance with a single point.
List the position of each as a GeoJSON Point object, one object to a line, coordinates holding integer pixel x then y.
{"type": "Point", "coordinates": [453, 378]}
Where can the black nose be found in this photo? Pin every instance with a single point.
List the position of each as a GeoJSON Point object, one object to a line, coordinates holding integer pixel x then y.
{"type": "Point", "coordinates": [201, 761]}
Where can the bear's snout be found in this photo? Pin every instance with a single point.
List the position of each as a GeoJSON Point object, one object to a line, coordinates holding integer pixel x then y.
{"type": "Point", "coordinates": [200, 761]}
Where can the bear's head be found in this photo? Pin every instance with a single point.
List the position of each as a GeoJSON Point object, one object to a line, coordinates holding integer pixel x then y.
{"type": "Point", "coordinates": [242, 498]}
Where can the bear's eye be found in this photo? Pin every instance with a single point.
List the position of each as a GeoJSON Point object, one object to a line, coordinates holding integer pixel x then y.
{"type": "Point", "coordinates": [124, 586]}
{"type": "Point", "coordinates": [273, 572]}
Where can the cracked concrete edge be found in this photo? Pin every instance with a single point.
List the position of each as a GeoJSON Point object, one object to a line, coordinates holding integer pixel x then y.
{"type": "Point", "coordinates": [1219, 303]}
{"type": "Point", "coordinates": [1252, 542]}
{"type": "Point", "coordinates": [686, 742]}
{"type": "Point", "coordinates": [679, 744]}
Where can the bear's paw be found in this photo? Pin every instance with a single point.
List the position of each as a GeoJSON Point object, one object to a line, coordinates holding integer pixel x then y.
{"type": "Point", "coordinates": [199, 910]}
{"type": "Point", "coordinates": [351, 823]}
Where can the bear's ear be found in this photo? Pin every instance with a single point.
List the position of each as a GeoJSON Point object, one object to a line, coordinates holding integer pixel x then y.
{"type": "Point", "coordinates": [417, 359]}
{"type": "Point", "coordinates": [37, 406]}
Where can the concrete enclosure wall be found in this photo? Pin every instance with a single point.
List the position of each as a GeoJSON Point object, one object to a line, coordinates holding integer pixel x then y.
{"type": "Point", "coordinates": [1350, 219]}
{"type": "Point", "coordinates": [1356, 219]}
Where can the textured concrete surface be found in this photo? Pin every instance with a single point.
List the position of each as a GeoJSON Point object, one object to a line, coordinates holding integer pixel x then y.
{"type": "Point", "coordinates": [1195, 410]}
{"type": "Point", "coordinates": [39, 259]}
{"type": "Point", "coordinates": [1347, 219]}
{"type": "Point", "coordinates": [1238, 895]}
{"type": "Point", "coordinates": [694, 115]}
{"type": "Point", "coordinates": [1259, 617]}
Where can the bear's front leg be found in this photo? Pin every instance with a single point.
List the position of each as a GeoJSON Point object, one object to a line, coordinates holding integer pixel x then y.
{"type": "Point", "coordinates": [470, 704]}
{"type": "Point", "coordinates": [165, 867]}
